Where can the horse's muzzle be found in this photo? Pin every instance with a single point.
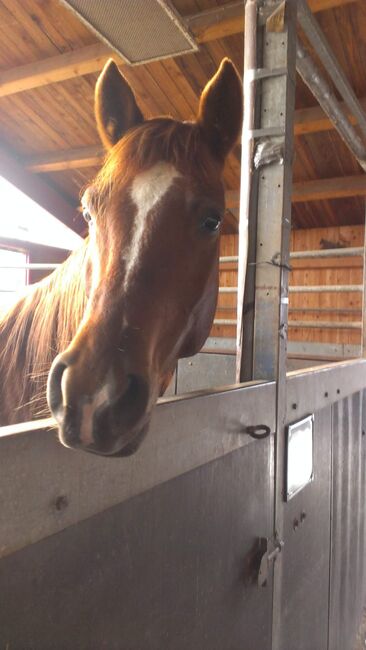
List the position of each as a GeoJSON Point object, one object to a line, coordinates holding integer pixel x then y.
{"type": "Point", "coordinates": [100, 423]}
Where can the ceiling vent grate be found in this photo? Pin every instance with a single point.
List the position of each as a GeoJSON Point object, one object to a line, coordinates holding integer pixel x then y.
{"type": "Point", "coordinates": [138, 30]}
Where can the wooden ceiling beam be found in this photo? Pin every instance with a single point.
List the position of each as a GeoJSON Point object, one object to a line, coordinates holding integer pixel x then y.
{"type": "Point", "coordinates": [329, 188]}
{"type": "Point", "coordinates": [205, 26]}
{"type": "Point", "coordinates": [314, 120]}
{"type": "Point", "coordinates": [91, 156]}
{"type": "Point", "coordinates": [318, 190]}
{"type": "Point", "coordinates": [307, 120]}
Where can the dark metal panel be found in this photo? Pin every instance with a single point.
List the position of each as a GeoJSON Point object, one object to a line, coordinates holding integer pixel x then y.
{"type": "Point", "coordinates": [170, 569]}
{"type": "Point", "coordinates": [305, 555]}
{"type": "Point", "coordinates": [348, 521]}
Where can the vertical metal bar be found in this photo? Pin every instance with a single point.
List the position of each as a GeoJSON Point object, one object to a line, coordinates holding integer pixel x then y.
{"type": "Point", "coordinates": [266, 204]}
{"type": "Point", "coordinates": [274, 200]}
{"type": "Point", "coordinates": [243, 347]}
{"type": "Point", "coordinates": [363, 337]}
{"type": "Point", "coordinates": [273, 251]}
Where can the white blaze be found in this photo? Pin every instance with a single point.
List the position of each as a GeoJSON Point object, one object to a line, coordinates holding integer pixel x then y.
{"type": "Point", "coordinates": [147, 190]}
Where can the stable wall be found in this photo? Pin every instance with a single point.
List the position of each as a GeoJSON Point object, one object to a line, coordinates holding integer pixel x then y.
{"type": "Point", "coordinates": [336, 307]}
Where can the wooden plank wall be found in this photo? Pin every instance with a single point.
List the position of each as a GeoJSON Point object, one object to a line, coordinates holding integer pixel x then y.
{"type": "Point", "coordinates": [309, 272]}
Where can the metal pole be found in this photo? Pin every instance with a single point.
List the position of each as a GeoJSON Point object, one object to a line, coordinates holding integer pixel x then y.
{"type": "Point", "coordinates": [356, 251]}
{"type": "Point", "coordinates": [329, 325]}
{"type": "Point", "coordinates": [305, 324]}
{"type": "Point", "coordinates": [31, 267]}
{"type": "Point", "coordinates": [321, 288]}
{"type": "Point", "coordinates": [363, 335]}
{"type": "Point", "coordinates": [247, 189]}
{"type": "Point", "coordinates": [326, 288]}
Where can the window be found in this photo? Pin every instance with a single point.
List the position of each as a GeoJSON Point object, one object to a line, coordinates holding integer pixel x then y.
{"type": "Point", "coordinates": [22, 218]}
{"type": "Point", "coordinates": [12, 280]}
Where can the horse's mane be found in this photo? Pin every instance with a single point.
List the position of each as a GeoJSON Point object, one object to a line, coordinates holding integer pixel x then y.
{"type": "Point", "coordinates": [36, 328]}
{"type": "Point", "coordinates": [44, 321]}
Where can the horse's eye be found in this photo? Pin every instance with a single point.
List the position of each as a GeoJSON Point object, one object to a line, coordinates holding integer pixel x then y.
{"type": "Point", "coordinates": [212, 222]}
{"type": "Point", "coordinates": [86, 215]}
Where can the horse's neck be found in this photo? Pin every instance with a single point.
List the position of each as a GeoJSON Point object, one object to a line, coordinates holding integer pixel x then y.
{"type": "Point", "coordinates": [32, 332]}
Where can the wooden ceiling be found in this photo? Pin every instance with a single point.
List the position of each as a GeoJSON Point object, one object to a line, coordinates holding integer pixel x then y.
{"type": "Point", "coordinates": [49, 63]}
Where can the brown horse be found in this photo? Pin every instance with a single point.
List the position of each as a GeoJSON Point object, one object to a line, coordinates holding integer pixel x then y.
{"type": "Point", "coordinates": [141, 292]}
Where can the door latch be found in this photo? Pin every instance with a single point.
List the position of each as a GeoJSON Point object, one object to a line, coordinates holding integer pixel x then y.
{"type": "Point", "coordinates": [272, 549]}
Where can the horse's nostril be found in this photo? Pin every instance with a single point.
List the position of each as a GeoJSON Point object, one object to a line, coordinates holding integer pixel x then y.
{"type": "Point", "coordinates": [120, 416]}
{"type": "Point", "coordinates": [54, 387]}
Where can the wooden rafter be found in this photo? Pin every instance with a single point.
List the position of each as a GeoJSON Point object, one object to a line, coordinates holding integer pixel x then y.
{"type": "Point", "coordinates": [307, 120]}
{"type": "Point", "coordinates": [207, 26]}
{"type": "Point", "coordinates": [69, 159]}
{"type": "Point", "coordinates": [329, 188]}
{"type": "Point", "coordinates": [318, 190]}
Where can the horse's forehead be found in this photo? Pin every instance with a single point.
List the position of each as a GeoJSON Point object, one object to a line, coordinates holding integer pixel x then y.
{"type": "Point", "coordinates": [149, 186]}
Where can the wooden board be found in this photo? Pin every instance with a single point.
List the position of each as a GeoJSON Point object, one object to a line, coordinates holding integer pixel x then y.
{"type": "Point", "coordinates": [59, 116]}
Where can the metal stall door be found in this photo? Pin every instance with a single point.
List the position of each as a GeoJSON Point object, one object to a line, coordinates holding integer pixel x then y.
{"type": "Point", "coordinates": [322, 564]}
{"type": "Point", "coordinates": [158, 551]}
{"type": "Point", "coordinates": [348, 539]}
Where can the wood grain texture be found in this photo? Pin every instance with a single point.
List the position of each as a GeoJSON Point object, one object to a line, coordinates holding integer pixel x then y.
{"type": "Point", "coordinates": [48, 126]}
{"type": "Point", "coordinates": [335, 307]}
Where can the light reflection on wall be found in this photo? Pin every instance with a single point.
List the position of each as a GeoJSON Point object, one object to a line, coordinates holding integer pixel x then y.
{"type": "Point", "coordinates": [22, 218]}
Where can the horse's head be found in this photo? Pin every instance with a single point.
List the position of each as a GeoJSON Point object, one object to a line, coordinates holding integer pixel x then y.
{"type": "Point", "coordinates": [155, 212]}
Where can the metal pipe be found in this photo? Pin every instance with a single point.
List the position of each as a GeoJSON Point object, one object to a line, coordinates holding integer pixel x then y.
{"type": "Point", "coordinates": [321, 46]}
{"type": "Point", "coordinates": [30, 267]}
{"type": "Point", "coordinates": [322, 91]}
{"type": "Point", "coordinates": [316, 324]}
{"type": "Point", "coordinates": [351, 251]}
{"type": "Point", "coordinates": [324, 310]}
{"type": "Point", "coordinates": [228, 290]}
{"type": "Point", "coordinates": [225, 321]}
{"type": "Point", "coordinates": [328, 252]}
{"type": "Point", "coordinates": [322, 288]}
{"type": "Point", "coordinates": [326, 288]}
{"type": "Point", "coordinates": [306, 324]}
{"type": "Point", "coordinates": [229, 258]}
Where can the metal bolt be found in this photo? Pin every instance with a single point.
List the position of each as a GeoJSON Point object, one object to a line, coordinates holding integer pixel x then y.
{"type": "Point", "coordinates": [295, 524]}
{"type": "Point", "coordinates": [338, 391]}
{"type": "Point", "coordinates": [303, 516]}
{"type": "Point", "coordinates": [326, 394]}
{"type": "Point", "coordinates": [61, 503]}
{"type": "Point", "coordinates": [294, 406]}
{"type": "Point", "coordinates": [363, 432]}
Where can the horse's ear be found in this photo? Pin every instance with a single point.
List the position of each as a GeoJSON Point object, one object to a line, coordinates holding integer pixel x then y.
{"type": "Point", "coordinates": [220, 111]}
{"type": "Point", "coordinates": [116, 109]}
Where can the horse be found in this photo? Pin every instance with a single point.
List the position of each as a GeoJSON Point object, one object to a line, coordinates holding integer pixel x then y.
{"type": "Point", "coordinates": [97, 341]}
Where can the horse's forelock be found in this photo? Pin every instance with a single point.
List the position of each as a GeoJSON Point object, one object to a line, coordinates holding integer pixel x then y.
{"type": "Point", "coordinates": [158, 140]}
